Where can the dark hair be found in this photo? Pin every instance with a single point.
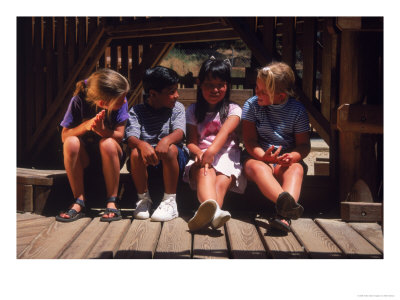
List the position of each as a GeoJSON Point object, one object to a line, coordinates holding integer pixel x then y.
{"type": "Point", "coordinates": [158, 78]}
{"type": "Point", "coordinates": [213, 68]}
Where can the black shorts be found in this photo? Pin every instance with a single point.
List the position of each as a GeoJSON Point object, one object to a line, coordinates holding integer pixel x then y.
{"type": "Point", "coordinates": [91, 142]}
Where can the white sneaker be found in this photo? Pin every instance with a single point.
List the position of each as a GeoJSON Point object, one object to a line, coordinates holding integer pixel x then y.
{"type": "Point", "coordinates": [204, 215]}
{"type": "Point", "coordinates": [220, 218]}
{"type": "Point", "coordinates": [143, 207]}
{"type": "Point", "coordinates": [166, 211]}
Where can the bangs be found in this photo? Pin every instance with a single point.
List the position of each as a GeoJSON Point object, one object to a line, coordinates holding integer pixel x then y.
{"type": "Point", "coordinates": [219, 72]}
{"type": "Point", "coordinates": [215, 69]}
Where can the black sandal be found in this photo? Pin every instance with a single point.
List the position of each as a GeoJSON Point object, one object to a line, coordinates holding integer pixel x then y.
{"type": "Point", "coordinates": [72, 213]}
{"type": "Point", "coordinates": [277, 223]}
{"type": "Point", "coordinates": [115, 211]}
{"type": "Point", "coordinates": [287, 207]}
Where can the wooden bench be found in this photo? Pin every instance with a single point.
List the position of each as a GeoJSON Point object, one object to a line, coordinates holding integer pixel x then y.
{"type": "Point", "coordinates": [48, 191]}
{"type": "Point", "coordinates": [34, 188]}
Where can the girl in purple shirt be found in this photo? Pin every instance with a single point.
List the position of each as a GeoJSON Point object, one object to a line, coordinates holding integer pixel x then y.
{"type": "Point", "coordinates": [93, 126]}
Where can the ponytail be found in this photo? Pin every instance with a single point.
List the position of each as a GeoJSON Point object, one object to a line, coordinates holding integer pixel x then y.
{"type": "Point", "coordinates": [80, 88]}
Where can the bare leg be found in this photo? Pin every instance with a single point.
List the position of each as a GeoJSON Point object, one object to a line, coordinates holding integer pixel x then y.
{"type": "Point", "coordinates": [291, 179]}
{"type": "Point", "coordinates": [205, 183]}
{"type": "Point", "coordinates": [262, 175]}
{"type": "Point", "coordinates": [171, 170]}
{"type": "Point", "coordinates": [138, 172]}
{"type": "Point", "coordinates": [223, 183]}
{"type": "Point", "coordinates": [110, 152]}
{"type": "Point", "coordinates": [76, 160]}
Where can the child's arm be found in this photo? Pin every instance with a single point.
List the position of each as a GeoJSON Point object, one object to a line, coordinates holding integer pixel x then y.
{"type": "Point", "coordinates": [250, 139]}
{"type": "Point", "coordinates": [163, 145]}
{"type": "Point", "coordinates": [79, 130]}
{"type": "Point", "coordinates": [192, 142]}
{"type": "Point", "coordinates": [301, 150]}
{"type": "Point", "coordinates": [227, 128]}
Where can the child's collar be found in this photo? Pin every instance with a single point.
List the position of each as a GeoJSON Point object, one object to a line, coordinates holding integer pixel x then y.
{"type": "Point", "coordinates": [149, 106]}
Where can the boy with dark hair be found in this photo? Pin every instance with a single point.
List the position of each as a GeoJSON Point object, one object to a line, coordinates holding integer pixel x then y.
{"type": "Point", "coordinates": [154, 134]}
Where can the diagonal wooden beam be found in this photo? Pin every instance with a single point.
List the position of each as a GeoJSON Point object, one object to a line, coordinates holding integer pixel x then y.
{"type": "Point", "coordinates": [250, 38]}
{"type": "Point", "coordinates": [83, 67]}
{"type": "Point", "coordinates": [151, 59]}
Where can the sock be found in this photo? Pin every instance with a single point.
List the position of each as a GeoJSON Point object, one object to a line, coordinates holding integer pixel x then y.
{"type": "Point", "coordinates": [142, 196]}
{"type": "Point", "coordinates": [167, 196]}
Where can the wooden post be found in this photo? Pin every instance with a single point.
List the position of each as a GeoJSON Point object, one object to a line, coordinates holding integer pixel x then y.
{"type": "Point", "coordinates": [358, 82]}
{"type": "Point", "coordinates": [288, 41]}
{"type": "Point", "coordinates": [349, 92]}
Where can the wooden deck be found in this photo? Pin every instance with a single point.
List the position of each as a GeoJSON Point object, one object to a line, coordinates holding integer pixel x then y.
{"type": "Point", "coordinates": [242, 237]}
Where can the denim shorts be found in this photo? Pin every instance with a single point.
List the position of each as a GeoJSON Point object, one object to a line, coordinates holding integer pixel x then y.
{"type": "Point", "coordinates": [183, 158]}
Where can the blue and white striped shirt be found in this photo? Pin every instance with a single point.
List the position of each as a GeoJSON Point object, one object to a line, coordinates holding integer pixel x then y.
{"type": "Point", "coordinates": [151, 125]}
{"type": "Point", "coordinates": [277, 124]}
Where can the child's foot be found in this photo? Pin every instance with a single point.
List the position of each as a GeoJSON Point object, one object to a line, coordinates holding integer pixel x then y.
{"type": "Point", "coordinates": [111, 213]}
{"type": "Point", "coordinates": [166, 211]}
{"type": "Point", "coordinates": [220, 218]}
{"type": "Point", "coordinates": [280, 223]}
{"type": "Point", "coordinates": [204, 215]}
{"type": "Point", "coordinates": [287, 207]}
{"type": "Point", "coordinates": [74, 213]}
{"type": "Point", "coordinates": [143, 206]}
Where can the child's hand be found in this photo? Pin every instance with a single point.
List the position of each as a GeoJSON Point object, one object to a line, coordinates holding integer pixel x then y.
{"type": "Point", "coordinates": [270, 156]}
{"type": "Point", "coordinates": [148, 154]}
{"type": "Point", "coordinates": [197, 158]}
{"type": "Point", "coordinates": [285, 160]}
{"type": "Point", "coordinates": [162, 149]}
{"type": "Point", "coordinates": [207, 160]}
{"type": "Point", "coordinates": [98, 123]}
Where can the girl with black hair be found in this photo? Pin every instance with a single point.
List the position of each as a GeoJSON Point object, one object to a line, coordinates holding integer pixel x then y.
{"type": "Point", "coordinates": [213, 144]}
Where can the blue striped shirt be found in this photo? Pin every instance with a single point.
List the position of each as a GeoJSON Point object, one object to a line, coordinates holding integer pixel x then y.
{"type": "Point", "coordinates": [277, 124]}
{"type": "Point", "coordinates": [151, 125]}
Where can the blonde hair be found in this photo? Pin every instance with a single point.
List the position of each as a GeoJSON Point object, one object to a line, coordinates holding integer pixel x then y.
{"type": "Point", "coordinates": [104, 84]}
{"type": "Point", "coordinates": [278, 77]}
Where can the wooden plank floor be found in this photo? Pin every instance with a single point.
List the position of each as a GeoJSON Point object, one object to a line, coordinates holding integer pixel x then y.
{"type": "Point", "coordinates": [242, 237]}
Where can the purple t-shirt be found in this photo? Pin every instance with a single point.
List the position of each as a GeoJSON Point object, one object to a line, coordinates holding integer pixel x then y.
{"type": "Point", "coordinates": [79, 110]}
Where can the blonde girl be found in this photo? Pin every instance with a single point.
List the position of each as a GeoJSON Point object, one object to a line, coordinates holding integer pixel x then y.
{"type": "Point", "coordinates": [93, 129]}
{"type": "Point", "coordinates": [276, 138]}
{"type": "Point", "coordinates": [214, 167]}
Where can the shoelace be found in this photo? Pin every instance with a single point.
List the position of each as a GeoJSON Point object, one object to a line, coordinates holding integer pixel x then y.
{"type": "Point", "coordinates": [164, 205]}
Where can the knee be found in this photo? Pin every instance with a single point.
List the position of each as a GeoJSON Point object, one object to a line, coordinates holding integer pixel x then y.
{"type": "Point", "coordinates": [71, 146]}
{"type": "Point", "coordinates": [172, 153]}
{"type": "Point", "coordinates": [254, 168]}
{"type": "Point", "coordinates": [135, 155]}
{"type": "Point", "coordinates": [108, 147]}
{"type": "Point", "coordinates": [297, 169]}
